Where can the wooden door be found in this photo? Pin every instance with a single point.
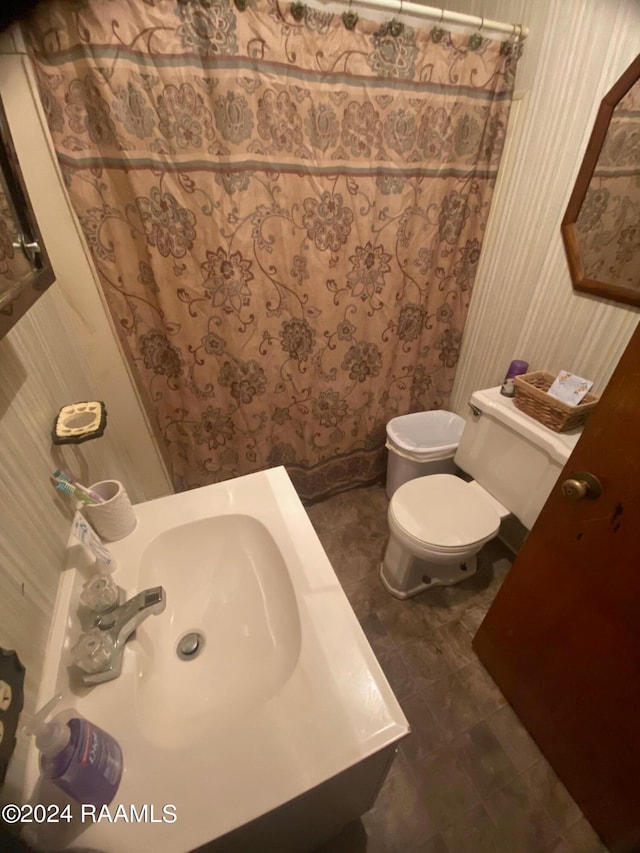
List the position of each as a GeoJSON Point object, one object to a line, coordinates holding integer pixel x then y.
{"type": "Point", "coordinates": [562, 638]}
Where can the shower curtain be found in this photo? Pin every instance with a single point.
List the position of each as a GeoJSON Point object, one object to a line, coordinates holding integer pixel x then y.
{"type": "Point", "coordinates": [286, 217]}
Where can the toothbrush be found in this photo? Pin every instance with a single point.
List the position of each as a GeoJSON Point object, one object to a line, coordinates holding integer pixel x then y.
{"type": "Point", "coordinates": [71, 490]}
{"type": "Point", "coordinates": [62, 476]}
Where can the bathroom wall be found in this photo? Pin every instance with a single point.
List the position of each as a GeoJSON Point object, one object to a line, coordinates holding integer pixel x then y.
{"type": "Point", "coordinates": [523, 304]}
{"type": "Point", "coordinates": [62, 351]}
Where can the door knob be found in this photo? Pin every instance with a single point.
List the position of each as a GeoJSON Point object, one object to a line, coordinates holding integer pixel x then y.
{"type": "Point", "coordinates": [581, 485]}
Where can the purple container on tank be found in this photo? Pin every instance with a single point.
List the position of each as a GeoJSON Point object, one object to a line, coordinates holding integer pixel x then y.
{"type": "Point", "coordinates": [516, 368]}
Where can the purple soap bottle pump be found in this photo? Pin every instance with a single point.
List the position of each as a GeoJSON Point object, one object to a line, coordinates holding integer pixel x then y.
{"type": "Point", "coordinates": [516, 368]}
{"type": "Point", "coordinates": [83, 760]}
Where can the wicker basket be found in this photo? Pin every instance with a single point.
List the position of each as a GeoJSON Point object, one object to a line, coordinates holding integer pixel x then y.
{"type": "Point", "coordinates": [532, 399]}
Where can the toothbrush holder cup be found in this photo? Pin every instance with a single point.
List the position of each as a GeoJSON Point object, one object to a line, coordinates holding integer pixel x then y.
{"type": "Point", "coordinates": [115, 518]}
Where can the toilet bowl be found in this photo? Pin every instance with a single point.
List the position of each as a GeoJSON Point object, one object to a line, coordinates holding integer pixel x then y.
{"type": "Point", "coordinates": [438, 523]}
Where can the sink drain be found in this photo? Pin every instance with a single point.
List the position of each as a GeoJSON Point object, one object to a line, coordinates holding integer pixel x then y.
{"type": "Point", "coordinates": [190, 646]}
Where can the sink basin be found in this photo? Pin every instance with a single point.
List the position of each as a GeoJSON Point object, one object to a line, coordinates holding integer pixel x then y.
{"type": "Point", "coordinates": [253, 705]}
{"type": "Point", "coordinates": [227, 584]}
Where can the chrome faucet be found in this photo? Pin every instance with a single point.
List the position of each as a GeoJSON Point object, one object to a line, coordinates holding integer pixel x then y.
{"type": "Point", "coordinates": [99, 652]}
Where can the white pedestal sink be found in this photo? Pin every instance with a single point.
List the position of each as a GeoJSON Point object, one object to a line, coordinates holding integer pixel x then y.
{"type": "Point", "coordinates": [277, 731]}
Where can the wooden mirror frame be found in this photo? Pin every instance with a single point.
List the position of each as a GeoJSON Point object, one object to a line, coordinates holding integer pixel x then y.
{"type": "Point", "coordinates": [617, 292]}
{"type": "Point", "coordinates": [27, 291]}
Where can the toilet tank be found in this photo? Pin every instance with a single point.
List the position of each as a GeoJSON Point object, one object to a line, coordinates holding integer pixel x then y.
{"type": "Point", "coordinates": [511, 455]}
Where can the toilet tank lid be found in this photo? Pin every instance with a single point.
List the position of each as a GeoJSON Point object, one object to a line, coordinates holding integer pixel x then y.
{"type": "Point", "coordinates": [426, 435]}
{"type": "Point", "coordinates": [558, 445]}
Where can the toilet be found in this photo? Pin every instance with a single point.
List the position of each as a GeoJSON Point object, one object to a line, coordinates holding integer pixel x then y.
{"type": "Point", "coordinates": [438, 523]}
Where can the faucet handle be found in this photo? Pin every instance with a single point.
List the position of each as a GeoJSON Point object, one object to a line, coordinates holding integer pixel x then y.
{"type": "Point", "coordinates": [100, 594]}
{"type": "Point", "coordinates": [93, 651]}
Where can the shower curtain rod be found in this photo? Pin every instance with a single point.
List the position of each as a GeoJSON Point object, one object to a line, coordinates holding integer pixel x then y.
{"type": "Point", "coordinates": [442, 16]}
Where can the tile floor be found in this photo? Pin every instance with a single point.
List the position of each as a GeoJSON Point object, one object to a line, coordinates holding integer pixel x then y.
{"type": "Point", "coordinates": [469, 779]}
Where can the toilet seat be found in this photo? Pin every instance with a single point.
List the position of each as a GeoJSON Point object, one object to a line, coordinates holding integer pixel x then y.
{"type": "Point", "coordinates": [443, 513]}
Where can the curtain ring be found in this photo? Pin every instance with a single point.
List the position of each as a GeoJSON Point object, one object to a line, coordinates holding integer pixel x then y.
{"type": "Point", "coordinates": [437, 33]}
{"type": "Point", "coordinates": [297, 11]}
{"type": "Point", "coordinates": [349, 18]}
{"type": "Point", "coordinates": [475, 40]}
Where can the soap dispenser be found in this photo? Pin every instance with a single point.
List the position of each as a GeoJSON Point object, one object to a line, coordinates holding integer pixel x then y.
{"type": "Point", "coordinates": [83, 760]}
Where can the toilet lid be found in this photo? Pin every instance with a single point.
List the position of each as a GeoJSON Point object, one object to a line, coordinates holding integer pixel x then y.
{"type": "Point", "coordinates": [442, 510]}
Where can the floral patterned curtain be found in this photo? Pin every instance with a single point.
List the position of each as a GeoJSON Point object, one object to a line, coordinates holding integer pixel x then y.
{"type": "Point", "coordinates": [286, 217]}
